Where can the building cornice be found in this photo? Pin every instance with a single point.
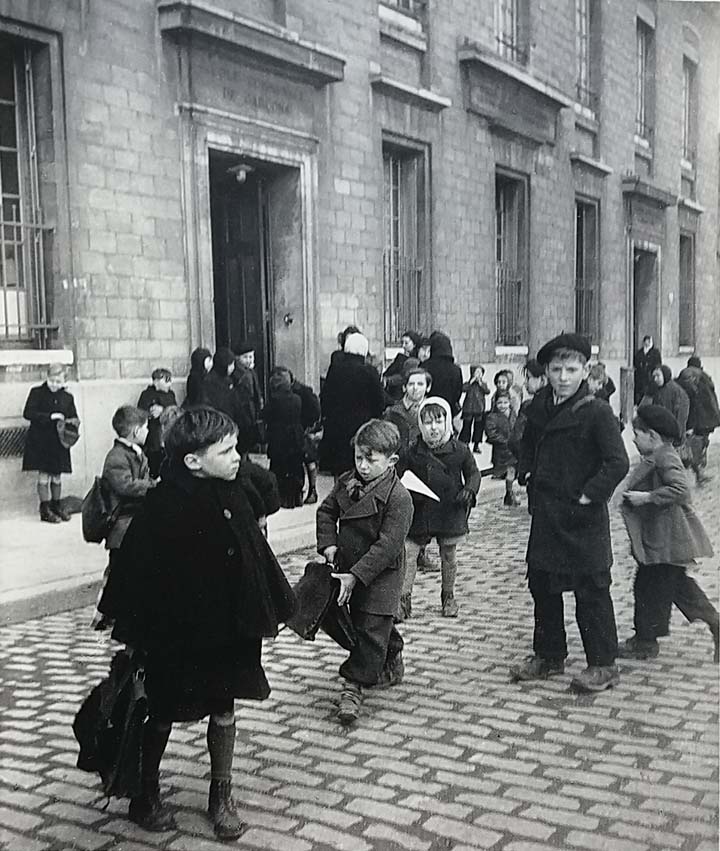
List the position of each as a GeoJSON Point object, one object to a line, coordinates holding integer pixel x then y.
{"type": "Point", "coordinates": [633, 184]}
{"type": "Point", "coordinates": [424, 98]}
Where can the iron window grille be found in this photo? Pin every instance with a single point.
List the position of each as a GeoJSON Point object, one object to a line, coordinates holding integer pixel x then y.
{"type": "Point", "coordinates": [23, 300]}
{"type": "Point", "coordinates": [510, 259]}
{"type": "Point", "coordinates": [689, 111]}
{"type": "Point", "coordinates": [645, 62]}
{"type": "Point", "coordinates": [686, 291]}
{"type": "Point", "coordinates": [509, 31]}
{"type": "Point", "coordinates": [587, 253]}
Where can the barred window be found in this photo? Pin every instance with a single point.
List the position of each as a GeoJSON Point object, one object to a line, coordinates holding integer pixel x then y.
{"type": "Point", "coordinates": [689, 110]}
{"type": "Point", "coordinates": [511, 30]}
{"type": "Point", "coordinates": [511, 239]}
{"type": "Point", "coordinates": [23, 302]}
{"type": "Point", "coordinates": [645, 77]}
{"type": "Point", "coordinates": [414, 8]}
{"type": "Point", "coordinates": [587, 252]}
{"type": "Point", "coordinates": [586, 44]}
{"type": "Point", "coordinates": [404, 255]}
{"type": "Point", "coordinates": [686, 290]}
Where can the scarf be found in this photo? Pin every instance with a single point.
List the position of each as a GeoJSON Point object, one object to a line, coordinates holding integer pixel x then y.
{"type": "Point", "coordinates": [424, 431]}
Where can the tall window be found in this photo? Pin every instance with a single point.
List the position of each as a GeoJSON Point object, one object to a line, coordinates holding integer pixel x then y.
{"type": "Point", "coordinates": [415, 8]}
{"type": "Point", "coordinates": [689, 110]}
{"type": "Point", "coordinates": [22, 282]}
{"type": "Point", "coordinates": [645, 81]}
{"type": "Point", "coordinates": [404, 255]}
{"type": "Point", "coordinates": [586, 269]}
{"type": "Point", "coordinates": [584, 24]}
{"type": "Point", "coordinates": [510, 260]}
{"type": "Point", "coordinates": [511, 29]}
{"type": "Point", "coordinates": [686, 287]}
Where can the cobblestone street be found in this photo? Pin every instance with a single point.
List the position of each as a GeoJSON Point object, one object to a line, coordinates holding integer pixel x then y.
{"type": "Point", "coordinates": [454, 758]}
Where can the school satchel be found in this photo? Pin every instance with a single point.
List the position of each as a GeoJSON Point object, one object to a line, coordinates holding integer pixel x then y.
{"type": "Point", "coordinates": [97, 515]}
{"type": "Point", "coordinates": [109, 728]}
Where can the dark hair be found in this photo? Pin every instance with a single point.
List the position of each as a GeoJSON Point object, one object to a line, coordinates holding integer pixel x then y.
{"type": "Point", "coordinates": [161, 372]}
{"type": "Point", "coordinates": [345, 333]}
{"type": "Point", "coordinates": [534, 369]}
{"type": "Point", "coordinates": [414, 336]}
{"type": "Point", "coordinates": [502, 372]}
{"type": "Point", "coordinates": [694, 360]}
{"type": "Point", "coordinates": [377, 436]}
{"type": "Point", "coordinates": [196, 430]}
{"type": "Point", "coordinates": [127, 418]}
{"type": "Point", "coordinates": [222, 360]}
{"type": "Point", "coordinates": [424, 343]}
{"type": "Point", "coordinates": [198, 358]}
{"type": "Point", "coordinates": [432, 410]}
{"type": "Point", "coordinates": [501, 395]}
{"type": "Point", "coordinates": [417, 370]}
{"type": "Point", "coordinates": [279, 381]}
{"type": "Point", "coordinates": [474, 367]}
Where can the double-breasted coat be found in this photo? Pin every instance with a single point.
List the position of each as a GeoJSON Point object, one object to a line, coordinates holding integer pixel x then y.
{"type": "Point", "coordinates": [666, 530]}
{"type": "Point", "coordinates": [569, 450]}
{"type": "Point", "coordinates": [43, 450]}
{"type": "Point", "coordinates": [196, 587]}
{"type": "Point", "coordinates": [370, 536]}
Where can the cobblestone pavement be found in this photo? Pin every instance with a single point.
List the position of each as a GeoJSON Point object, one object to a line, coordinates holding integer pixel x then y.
{"type": "Point", "coordinates": [455, 758]}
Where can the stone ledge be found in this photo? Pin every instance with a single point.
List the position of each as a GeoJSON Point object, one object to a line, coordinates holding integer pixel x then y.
{"type": "Point", "coordinates": [402, 91]}
{"type": "Point", "coordinates": [577, 158]}
{"type": "Point", "coordinates": [35, 357]}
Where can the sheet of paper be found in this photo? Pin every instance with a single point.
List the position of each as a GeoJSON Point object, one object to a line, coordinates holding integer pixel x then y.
{"type": "Point", "coordinates": [413, 483]}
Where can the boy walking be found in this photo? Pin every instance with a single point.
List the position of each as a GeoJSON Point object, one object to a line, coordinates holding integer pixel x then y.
{"type": "Point", "coordinates": [361, 529]}
{"type": "Point", "coordinates": [665, 535]}
{"type": "Point", "coordinates": [195, 589]}
{"type": "Point", "coordinates": [574, 456]}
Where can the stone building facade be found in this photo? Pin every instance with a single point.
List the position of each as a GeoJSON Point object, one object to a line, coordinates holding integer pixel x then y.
{"type": "Point", "coordinates": [183, 173]}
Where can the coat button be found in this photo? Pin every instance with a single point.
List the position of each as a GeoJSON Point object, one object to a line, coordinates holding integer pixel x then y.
{"type": "Point", "coordinates": [231, 551]}
{"type": "Point", "coordinates": [227, 514]}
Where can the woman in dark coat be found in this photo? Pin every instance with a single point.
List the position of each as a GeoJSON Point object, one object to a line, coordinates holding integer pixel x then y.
{"type": "Point", "coordinates": [351, 395]}
{"type": "Point", "coordinates": [285, 438]}
{"type": "Point", "coordinates": [47, 404]}
{"type": "Point", "coordinates": [447, 379]}
{"type": "Point", "coordinates": [394, 374]}
{"type": "Point", "coordinates": [201, 362]}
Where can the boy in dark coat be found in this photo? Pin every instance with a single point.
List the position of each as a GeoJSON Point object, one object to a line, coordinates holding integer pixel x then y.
{"type": "Point", "coordinates": [195, 589]}
{"type": "Point", "coordinates": [573, 454]}
{"type": "Point", "coordinates": [499, 426]}
{"type": "Point", "coordinates": [666, 536]}
{"type": "Point", "coordinates": [248, 396]}
{"type": "Point", "coordinates": [447, 379]}
{"type": "Point", "coordinates": [285, 438]}
{"type": "Point", "coordinates": [448, 468]}
{"type": "Point", "coordinates": [361, 529]}
{"type": "Point", "coordinates": [154, 399]}
{"type": "Point", "coordinates": [46, 406]}
{"type": "Point", "coordinates": [473, 407]}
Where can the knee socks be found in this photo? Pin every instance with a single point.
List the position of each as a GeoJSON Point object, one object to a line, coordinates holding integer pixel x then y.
{"type": "Point", "coordinates": [56, 490]}
{"type": "Point", "coordinates": [43, 489]}
{"type": "Point", "coordinates": [448, 566]}
{"type": "Point", "coordinates": [221, 744]}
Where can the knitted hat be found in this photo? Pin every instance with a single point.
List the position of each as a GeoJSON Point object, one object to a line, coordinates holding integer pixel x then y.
{"type": "Point", "coordinates": [356, 344]}
{"type": "Point", "coordinates": [659, 419]}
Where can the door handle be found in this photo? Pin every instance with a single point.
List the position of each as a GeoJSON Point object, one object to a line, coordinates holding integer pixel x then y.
{"type": "Point", "coordinates": [288, 319]}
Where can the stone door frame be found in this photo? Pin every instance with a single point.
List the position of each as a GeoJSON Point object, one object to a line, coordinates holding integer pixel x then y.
{"type": "Point", "coordinates": [204, 128]}
{"type": "Point", "coordinates": [648, 248]}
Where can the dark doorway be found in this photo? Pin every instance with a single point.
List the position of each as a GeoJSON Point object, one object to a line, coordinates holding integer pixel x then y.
{"type": "Point", "coordinates": [645, 296]}
{"type": "Point", "coordinates": [241, 263]}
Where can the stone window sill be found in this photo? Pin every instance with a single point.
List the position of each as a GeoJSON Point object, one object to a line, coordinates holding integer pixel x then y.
{"type": "Point", "coordinates": [35, 357]}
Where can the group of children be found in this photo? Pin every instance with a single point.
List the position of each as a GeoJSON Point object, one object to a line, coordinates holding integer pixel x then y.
{"type": "Point", "coordinates": [200, 630]}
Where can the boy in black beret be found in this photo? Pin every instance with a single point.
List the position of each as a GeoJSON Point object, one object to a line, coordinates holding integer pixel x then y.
{"type": "Point", "coordinates": [665, 536]}
{"type": "Point", "coordinates": [572, 458]}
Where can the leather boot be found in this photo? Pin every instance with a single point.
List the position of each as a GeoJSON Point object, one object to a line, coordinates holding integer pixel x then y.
{"type": "Point", "coordinates": [221, 809]}
{"type": "Point", "coordinates": [47, 515]}
{"type": "Point", "coordinates": [148, 812]}
{"type": "Point", "coordinates": [59, 511]}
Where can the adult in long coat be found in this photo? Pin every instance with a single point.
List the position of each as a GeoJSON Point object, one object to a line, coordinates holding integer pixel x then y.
{"type": "Point", "coordinates": [646, 359]}
{"type": "Point", "coordinates": [447, 379]}
{"type": "Point", "coordinates": [351, 395]}
{"type": "Point", "coordinates": [666, 392]}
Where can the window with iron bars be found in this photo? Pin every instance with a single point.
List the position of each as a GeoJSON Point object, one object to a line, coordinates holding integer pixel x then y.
{"type": "Point", "coordinates": [23, 297]}
{"type": "Point", "coordinates": [587, 253]}
{"type": "Point", "coordinates": [585, 22]}
{"type": "Point", "coordinates": [686, 290]}
{"type": "Point", "coordinates": [510, 260]}
{"type": "Point", "coordinates": [645, 81]}
{"type": "Point", "coordinates": [511, 30]}
{"type": "Point", "coordinates": [404, 255]}
{"type": "Point", "coordinates": [414, 8]}
{"type": "Point", "coordinates": [689, 134]}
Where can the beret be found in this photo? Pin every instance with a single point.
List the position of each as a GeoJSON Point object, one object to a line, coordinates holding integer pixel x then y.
{"type": "Point", "coordinates": [575, 342]}
{"type": "Point", "coordinates": [659, 419]}
{"type": "Point", "coordinates": [244, 347]}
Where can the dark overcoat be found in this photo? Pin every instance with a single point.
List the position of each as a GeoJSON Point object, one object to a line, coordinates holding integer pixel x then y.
{"type": "Point", "coordinates": [128, 477]}
{"type": "Point", "coordinates": [351, 395]}
{"type": "Point", "coordinates": [666, 530]}
{"type": "Point", "coordinates": [370, 536]}
{"type": "Point", "coordinates": [196, 586]}
{"type": "Point", "coordinates": [644, 363]}
{"type": "Point", "coordinates": [43, 450]}
{"type": "Point", "coordinates": [673, 398]}
{"type": "Point", "coordinates": [152, 396]}
{"type": "Point", "coordinates": [499, 430]}
{"type": "Point", "coordinates": [447, 379]}
{"type": "Point", "coordinates": [284, 433]}
{"type": "Point", "coordinates": [474, 402]}
{"type": "Point", "coordinates": [446, 471]}
{"type": "Point", "coordinates": [569, 450]}
{"type": "Point", "coordinates": [704, 414]}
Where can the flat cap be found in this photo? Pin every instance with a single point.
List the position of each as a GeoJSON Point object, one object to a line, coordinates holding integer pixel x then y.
{"type": "Point", "coordinates": [659, 419]}
{"type": "Point", "coordinates": [575, 342]}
